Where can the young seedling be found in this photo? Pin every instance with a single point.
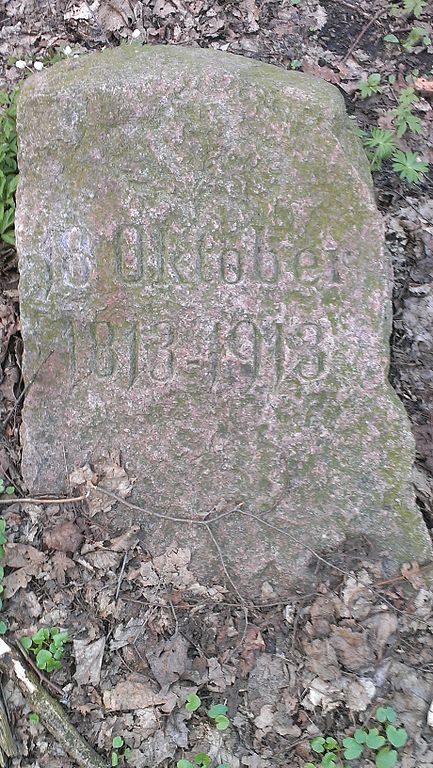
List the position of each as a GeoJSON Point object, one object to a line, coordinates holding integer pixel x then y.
{"type": "Point", "coordinates": [370, 86]}
{"type": "Point", "coordinates": [47, 646]}
{"type": "Point", "coordinates": [416, 36]}
{"type": "Point", "coordinates": [403, 117]}
{"type": "Point", "coordinates": [9, 489]}
{"type": "Point", "coordinates": [414, 7]}
{"type": "Point", "coordinates": [119, 753]}
{"type": "Point", "coordinates": [380, 146]}
{"type": "Point", "coordinates": [193, 702]}
{"type": "Point", "coordinates": [217, 713]}
{"type": "Point", "coordinates": [380, 744]}
{"type": "Point", "coordinates": [8, 167]}
{"type": "Point", "coordinates": [409, 166]}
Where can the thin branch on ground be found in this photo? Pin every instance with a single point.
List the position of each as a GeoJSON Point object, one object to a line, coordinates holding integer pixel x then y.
{"type": "Point", "coordinates": [51, 713]}
{"type": "Point", "coordinates": [33, 500]}
{"type": "Point", "coordinates": [364, 31]}
{"type": "Point", "coordinates": [238, 509]}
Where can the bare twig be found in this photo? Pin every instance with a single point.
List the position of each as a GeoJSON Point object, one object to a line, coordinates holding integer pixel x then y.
{"type": "Point", "coordinates": [32, 500]}
{"type": "Point", "coordinates": [122, 571]}
{"type": "Point", "coordinates": [363, 31]}
{"type": "Point", "coordinates": [51, 713]}
{"type": "Point", "coordinates": [208, 522]}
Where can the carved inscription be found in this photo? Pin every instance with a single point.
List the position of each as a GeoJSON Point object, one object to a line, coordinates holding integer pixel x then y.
{"type": "Point", "coordinates": [157, 255]}
{"type": "Point", "coordinates": [238, 355]}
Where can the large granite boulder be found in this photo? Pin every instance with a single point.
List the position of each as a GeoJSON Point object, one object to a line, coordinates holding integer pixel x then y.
{"type": "Point", "coordinates": [204, 289]}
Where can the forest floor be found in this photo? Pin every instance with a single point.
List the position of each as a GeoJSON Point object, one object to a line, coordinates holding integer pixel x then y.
{"type": "Point", "coordinates": [144, 635]}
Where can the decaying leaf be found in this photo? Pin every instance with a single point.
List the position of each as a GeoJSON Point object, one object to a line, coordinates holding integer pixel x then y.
{"type": "Point", "coordinates": [168, 660]}
{"type": "Point", "coordinates": [132, 694]}
{"type": "Point", "coordinates": [65, 537]}
{"type": "Point", "coordinates": [27, 561]}
{"type": "Point", "coordinates": [88, 660]}
{"type": "Point", "coordinates": [253, 644]}
{"type": "Point", "coordinates": [106, 472]}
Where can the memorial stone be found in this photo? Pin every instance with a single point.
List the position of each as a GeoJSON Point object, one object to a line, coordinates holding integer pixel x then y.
{"type": "Point", "coordinates": [204, 290]}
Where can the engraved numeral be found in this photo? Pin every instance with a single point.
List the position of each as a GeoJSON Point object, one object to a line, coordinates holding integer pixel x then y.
{"type": "Point", "coordinates": [163, 358]}
{"type": "Point", "coordinates": [103, 360]}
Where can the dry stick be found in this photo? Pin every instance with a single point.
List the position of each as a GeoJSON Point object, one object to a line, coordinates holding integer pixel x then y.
{"type": "Point", "coordinates": [51, 713]}
{"type": "Point", "coordinates": [363, 31]}
{"type": "Point", "coordinates": [208, 522]}
{"type": "Point", "coordinates": [32, 500]}
{"type": "Point", "coordinates": [38, 673]}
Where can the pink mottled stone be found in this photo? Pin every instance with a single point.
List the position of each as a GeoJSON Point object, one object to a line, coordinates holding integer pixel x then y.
{"type": "Point", "coordinates": [203, 276]}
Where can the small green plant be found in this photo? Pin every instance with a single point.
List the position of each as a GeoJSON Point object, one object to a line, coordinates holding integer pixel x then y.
{"type": "Point", "coordinates": [408, 8]}
{"type": "Point", "coordinates": [193, 702]}
{"type": "Point", "coordinates": [201, 760]}
{"type": "Point", "coordinates": [9, 489]}
{"type": "Point", "coordinates": [416, 36]}
{"type": "Point", "coordinates": [403, 117]}
{"type": "Point", "coordinates": [414, 7]}
{"type": "Point", "coordinates": [409, 166]}
{"type": "Point", "coordinates": [370, 86]}
{"type": "Point", "coordinates": [8, 166]}
{"type": "Point", "coordinates": [47, 646]}
{"type": "Point", "coordinates": [34, 718]}
{"type": "Point", "coordinates": [119, 752]}
{"type": "Point", "coordinates": [380, 743]}
{"type": "Point", "coordinates": [380, 146]}
{"type": "Point", "coordinates": [218, 714]}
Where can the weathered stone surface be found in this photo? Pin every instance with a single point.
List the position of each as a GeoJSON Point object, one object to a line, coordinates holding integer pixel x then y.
{"type": "Point", "coordinates": [201, 255]}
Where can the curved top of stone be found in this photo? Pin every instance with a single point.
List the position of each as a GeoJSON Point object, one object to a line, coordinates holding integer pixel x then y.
{"type": "Point", "coordinates": [207, 75]}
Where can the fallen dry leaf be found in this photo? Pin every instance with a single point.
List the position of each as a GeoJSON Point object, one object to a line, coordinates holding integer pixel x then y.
{"type": "Point", "coordinates": [352, 648]}
{"type": "Point", "coordinates": [88, 660]}
{"type": "Point", "coordinates": [131, 694]}
{"type": "Point", "coordinates": [65, 537]}
{"type": "Point", "coordinates": [28, 562]}
{"type": "Point", "coordinates": [107, 472]}
{"type": "Point", "coordinates": [411, 572]}
{"type": "Point", "coordinates": [423, 86]}
{"type": "Point", "coordinates": [325, 73]}
{"type": "Point", "coordinates": [60, 565]}
{"type": "Point", "coordinates": [168, 660]}
{"type": "Point", "coordinates": [253, 644]}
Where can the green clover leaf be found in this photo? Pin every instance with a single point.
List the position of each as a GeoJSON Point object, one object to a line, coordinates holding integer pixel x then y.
{"type": "Point", "coordinates": [222, 723]}
{"type": "Point", "coordinates": [318, 744]}
{"type": "Point", "coordinates": [352, 749]}
{"type": "Point", "coordinates": [374, 740]}
{"type": "Point", "coordinates": [396, 736]}
{"type": "Point", "coordinates": [360, 736]}
{"type": "Point", "coordinates": [192, 702]}
{"type": "Point", "coordinates": [386, 758]}
{"type": "Point", "coordinates": [216, 710]}
{"type": "Point", "coordinates": [384, 714]}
